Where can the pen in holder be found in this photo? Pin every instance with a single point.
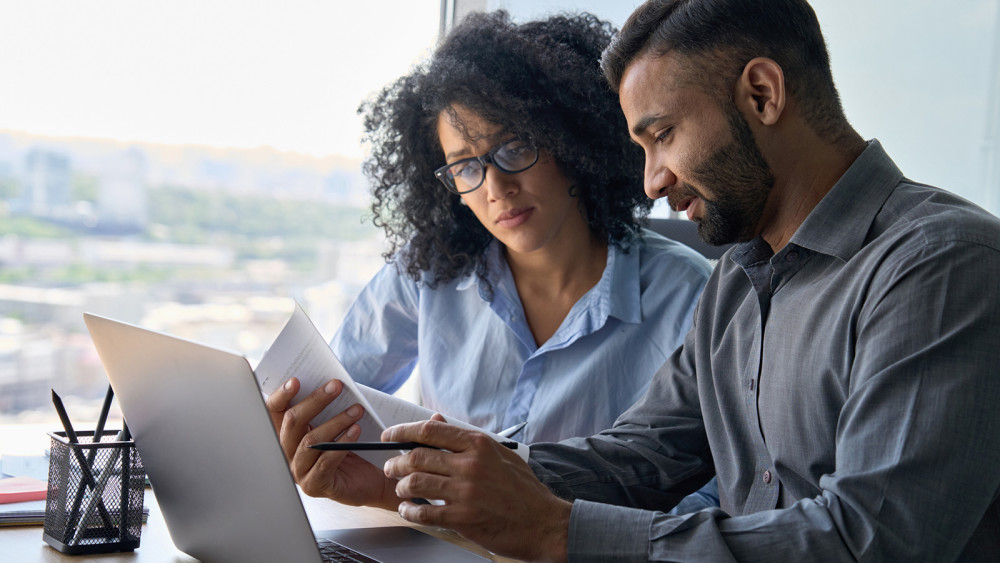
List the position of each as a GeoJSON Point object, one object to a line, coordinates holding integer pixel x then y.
{"type": "Point", "coordinates": [95, 494]}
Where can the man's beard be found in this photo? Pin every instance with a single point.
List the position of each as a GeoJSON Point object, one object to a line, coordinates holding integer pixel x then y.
{"type": "Point", "coordinates": [740, 180]}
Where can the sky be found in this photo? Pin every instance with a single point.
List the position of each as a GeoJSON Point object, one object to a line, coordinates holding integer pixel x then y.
{"type": "Point", "coordinates": [242, 73]}
{"type": "Point", "coordinates": [290, 74]}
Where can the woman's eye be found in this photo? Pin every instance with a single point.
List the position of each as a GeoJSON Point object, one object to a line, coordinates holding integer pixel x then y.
{"type": "Point", "coordinates": [510, 152]}
{"type": "Point", "coordinates": [466, 171]}
{"type": "Point", "coordinates": [517, 147]}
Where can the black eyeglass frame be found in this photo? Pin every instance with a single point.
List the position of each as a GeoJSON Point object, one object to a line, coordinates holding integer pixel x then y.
{"type": "Point", "coordinates": [488, 158]}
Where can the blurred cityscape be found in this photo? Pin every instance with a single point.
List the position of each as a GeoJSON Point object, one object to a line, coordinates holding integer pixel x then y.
{"type": "Point", "coordinates": [214, 245]}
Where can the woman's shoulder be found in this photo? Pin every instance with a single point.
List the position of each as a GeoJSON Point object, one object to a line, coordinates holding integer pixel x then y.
{"type": "Point", "coordinates": [658, 253]}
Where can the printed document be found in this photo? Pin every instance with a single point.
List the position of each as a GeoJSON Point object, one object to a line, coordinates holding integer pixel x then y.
{"type": "Point", "coordinates": [301, 351]}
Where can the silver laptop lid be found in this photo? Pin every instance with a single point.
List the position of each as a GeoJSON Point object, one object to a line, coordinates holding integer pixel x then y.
{"type": "Point", "coordinates": [208, 446]}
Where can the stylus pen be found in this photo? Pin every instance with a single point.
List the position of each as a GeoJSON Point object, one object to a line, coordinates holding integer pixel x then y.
{"type": "Point", "coordinates": [369, 446]}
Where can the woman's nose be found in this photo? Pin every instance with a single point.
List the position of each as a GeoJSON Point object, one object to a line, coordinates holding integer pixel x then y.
{"type": "Point", "coordinates": [499, 185]}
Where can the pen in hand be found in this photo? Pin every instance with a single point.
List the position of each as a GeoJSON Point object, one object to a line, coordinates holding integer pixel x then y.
{"type": "Point", "coordinates": [513, 430]}
{"type": "Point", "coordinates": [378, 446]}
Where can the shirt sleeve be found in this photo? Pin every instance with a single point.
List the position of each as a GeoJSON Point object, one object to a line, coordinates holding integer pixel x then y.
{"type": "Point", "coordinates": [377, 341]}
{"type": "Point", "coordinates": [917, 442]}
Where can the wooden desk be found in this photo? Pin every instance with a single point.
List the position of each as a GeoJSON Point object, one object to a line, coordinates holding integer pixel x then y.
{"type": "Point", "coordinates": [24, 544]}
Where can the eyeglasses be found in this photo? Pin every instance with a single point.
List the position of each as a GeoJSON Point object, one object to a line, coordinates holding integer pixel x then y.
{"type": "Point", "coordinates": [466, 175]}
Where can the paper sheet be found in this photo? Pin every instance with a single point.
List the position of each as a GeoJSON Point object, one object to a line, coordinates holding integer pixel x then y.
{"type": "Point", "coordinates": [301, 351]}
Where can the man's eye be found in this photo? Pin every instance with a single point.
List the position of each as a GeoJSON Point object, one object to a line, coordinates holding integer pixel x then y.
{"type": "Point", "coordinates": [666, 133]}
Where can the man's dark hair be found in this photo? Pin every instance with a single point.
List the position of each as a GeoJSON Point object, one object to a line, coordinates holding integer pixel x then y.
{"type": "Point", "coordinates": [539, 79]}
{"type": "Point", "coordinates": [719, 37]}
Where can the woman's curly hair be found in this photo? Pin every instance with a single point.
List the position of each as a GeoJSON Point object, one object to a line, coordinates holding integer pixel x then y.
{"type": "Point", "coordinates": [541, 80]}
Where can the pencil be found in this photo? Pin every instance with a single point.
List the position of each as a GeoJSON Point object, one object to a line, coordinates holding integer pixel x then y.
{"type": "Point", "coordinates": [88, 476]}
{"type": "Point", "coordinates": [98, 435]}
{"type": "Point", "coordinates": [379, 446]}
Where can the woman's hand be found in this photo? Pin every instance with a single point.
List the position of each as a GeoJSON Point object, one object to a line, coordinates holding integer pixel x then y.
{"type": "Point", "coordinates": [341, 476]}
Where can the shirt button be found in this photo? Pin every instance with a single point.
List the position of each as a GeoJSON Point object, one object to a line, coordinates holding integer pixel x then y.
{"type": "Point", "coordinates": [792, 256]}
{"type": "Point", "coordinates": [767, 477]}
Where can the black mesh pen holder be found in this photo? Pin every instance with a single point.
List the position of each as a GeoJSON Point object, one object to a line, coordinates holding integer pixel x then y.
{"type": "Point", "coordinates": [95, 494]}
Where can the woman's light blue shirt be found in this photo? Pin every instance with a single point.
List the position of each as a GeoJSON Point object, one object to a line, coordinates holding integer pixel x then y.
{"type": "Point", "coordinates": [479, 361]}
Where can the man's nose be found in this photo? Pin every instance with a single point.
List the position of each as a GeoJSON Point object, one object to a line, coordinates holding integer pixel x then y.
{"type": "Point", "coordinates": [657, 179]}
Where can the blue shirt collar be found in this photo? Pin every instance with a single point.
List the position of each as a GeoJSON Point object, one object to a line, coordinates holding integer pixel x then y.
{"type": "Point", "coordinates": [624, 294]}
{"type": "Point", "coordinates": [616, 294]}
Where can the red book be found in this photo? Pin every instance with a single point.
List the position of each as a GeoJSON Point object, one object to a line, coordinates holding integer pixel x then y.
{"type": "Point", "coordinates": [22, 489]}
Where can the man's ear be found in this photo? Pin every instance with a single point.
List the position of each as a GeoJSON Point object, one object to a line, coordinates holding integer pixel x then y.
{"type": "Point", "coordinates": [760, 91]}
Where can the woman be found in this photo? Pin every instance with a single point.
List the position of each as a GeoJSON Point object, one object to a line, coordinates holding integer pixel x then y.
{"type": "Point", "coordinates": [519, 276]}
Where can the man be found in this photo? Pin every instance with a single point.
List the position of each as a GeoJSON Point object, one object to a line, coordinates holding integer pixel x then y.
{"type": "Point", "coordinates": [840, 376]}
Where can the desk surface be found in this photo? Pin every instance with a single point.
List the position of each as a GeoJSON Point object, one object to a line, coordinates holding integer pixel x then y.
{"type": "Point", "coordinates": [24, 543]}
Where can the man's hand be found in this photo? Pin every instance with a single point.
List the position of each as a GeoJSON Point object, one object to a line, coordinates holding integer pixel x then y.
{"type": "Point", "coordinates": [341, 476]}
{"type": "Point", "coordinates": [491, 496]}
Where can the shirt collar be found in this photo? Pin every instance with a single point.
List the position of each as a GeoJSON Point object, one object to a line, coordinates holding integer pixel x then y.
{"type": "Point", "coordinates": [622, 275]}
{"type": "Point", "coordinates": [616, 294]}
{"type": "Point", "coordinates": [841, 221]}
{"type": "Point", "coordinates": [498, 275]}
{"type": "Point", "coordinates": [495, 271]}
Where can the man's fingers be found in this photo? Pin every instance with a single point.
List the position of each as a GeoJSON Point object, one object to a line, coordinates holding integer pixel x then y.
{"type": "Point", "coordinates": [433, 433]}
{"type": "Point", "coordinates": [451, 515]}
{"type": "Point", "coordinates": [424, 485]}
{"type": "Point", "coordinates": [425, 514]}
{"type": "Point", "coordinates": [425, 460]}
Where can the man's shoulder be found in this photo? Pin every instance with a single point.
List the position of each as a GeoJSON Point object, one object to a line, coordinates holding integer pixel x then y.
{"type": "Point", "coordinates": [926, 215]}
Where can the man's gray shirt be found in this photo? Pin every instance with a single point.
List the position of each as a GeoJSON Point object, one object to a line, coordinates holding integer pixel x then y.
{"type": "Point", "coordinates": [846, 390]}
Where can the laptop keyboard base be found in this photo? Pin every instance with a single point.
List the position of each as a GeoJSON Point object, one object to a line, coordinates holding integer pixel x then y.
{"type": "Point", "coordinates": [337, 553]}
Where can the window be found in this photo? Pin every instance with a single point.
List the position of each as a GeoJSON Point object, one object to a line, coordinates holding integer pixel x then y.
{"type": "Point", "coordinates": [921, 76]}
{"type": "Point", "coordinates": [188, 166]}
{"type": "Point", "coordinates": [193, 166]}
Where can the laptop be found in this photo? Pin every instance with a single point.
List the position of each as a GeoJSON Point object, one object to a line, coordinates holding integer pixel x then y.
{"type": "Point", "coordinates": [213, 458]}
